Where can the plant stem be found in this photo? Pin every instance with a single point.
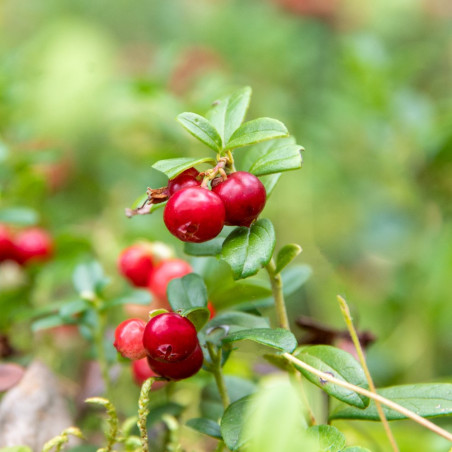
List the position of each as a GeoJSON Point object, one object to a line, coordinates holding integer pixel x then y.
{"type": "Point", "coordinates": [376, 397]}
{"type": "Point", "coordinates": [277, 286]}
{"type": "Point", "coordinates": [143, 411]}
{"type": "Point", "coordinates": [353, 334]}
{"type": "Point", "coordinates": [218, 374]}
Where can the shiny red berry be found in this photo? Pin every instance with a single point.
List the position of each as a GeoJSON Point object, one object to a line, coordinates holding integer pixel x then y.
{"type": "Point", "coordinates": [129, 338]}
{"type": "Point", "coordinates": [33, 244]}
{"type": "Point", "coordinates": [194, 214]}
{"type": "Point", "coordinates": [135, 263]}
{"type": "Point", "coordinates": [7, 247]}
{"type": "Point", "coordinates": [183, 180]}
{"type": "Point", "coordinates": [181, 369]}
{"type": "Point", "coordinates": [243, 196]}
{"type": "Point", "coordinates": [166, 271]}
{"type": "Point", "coordinates": [169, 337]}
{"type": "Point", "coordinates": [141, 372]}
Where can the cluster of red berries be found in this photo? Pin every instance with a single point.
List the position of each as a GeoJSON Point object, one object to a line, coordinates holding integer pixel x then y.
{"type": "Point", "coordinates": [196, 214]}
{"type": "Point", "coordinates": [29, 245]}
{"type": "Point", "coordinates": [168, 342]}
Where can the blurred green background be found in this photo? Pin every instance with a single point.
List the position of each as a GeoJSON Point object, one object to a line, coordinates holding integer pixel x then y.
{"type": "Point", "coordinates": [89, 92]}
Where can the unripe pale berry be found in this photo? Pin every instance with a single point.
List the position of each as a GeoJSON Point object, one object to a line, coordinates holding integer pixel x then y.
{"type": "Point", "coordinates": [181, 369]}
{"type": "Point", "coordinates": [34, 244]}
{"type": "Point", "coordinates": [129, 338]}
{"type": "Point", "coordinates": [164, 273]}
{"type": "Point", "coordinates": [243, 196]}
{"type": "Point", "coordinates": [194, 214]}
{"type": "Point", "coordinates": [183, 180]}
{"type": "Point", "coordinates": [169, 337]}
{"type": "Point", "coordinates": [136, 264]}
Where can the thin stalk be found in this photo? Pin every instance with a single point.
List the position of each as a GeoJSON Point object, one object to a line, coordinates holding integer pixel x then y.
{"type": "Point", "coordinates": [354, 335]}
{"type": "Point", "coordinates": [277, 289]}
{"type": "Point", "coordinates": [218, 374]}
{"type": "Point", "coordinates": [376, 397]}
{"type": "Point", "coordinates": [143, 411]}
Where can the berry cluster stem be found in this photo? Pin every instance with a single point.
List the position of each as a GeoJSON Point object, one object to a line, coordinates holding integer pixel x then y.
{"type": "Point", "coordinates": [277, 289]}
{"type": "Point", "coordinates": [218, 169]}
{"type": "Point", "coordinates": [218, 374]}
{"type": "Point", "coordinates": [354, 335]}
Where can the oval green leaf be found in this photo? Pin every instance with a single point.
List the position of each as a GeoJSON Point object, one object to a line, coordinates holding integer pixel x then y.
{"type": "Point", "coordinates": [209, 248]}
{"type": "Point", "coordinates": [255, 131]}
{"type": "Point", "coordinates": [89, 277]}
{"type": "Point", "coordinates": [229, 112]}
{"type": "Point", "coordinates": [206, 426]}
{"type": "Point", "coordinates": [286, 255]}
{"type": "Point", "coordinates": [247, 250]}
{"type": "Point", "coordinates": [339, 364]}
{"type": "Point", "coordinates": [172, 167]}
{"type": "Point", "coordinates": [278, 338]}
{"type": "Point", "coordinates": [426, 400]}
{"type": "Point", "coordinates": [329, 438]}
{"type": "Point", "coordinates": [202, 129]}
{"type": "Point", "coordinates": [232, 423]}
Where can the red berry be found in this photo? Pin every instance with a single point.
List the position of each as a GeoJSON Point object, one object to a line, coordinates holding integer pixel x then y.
{"type": "Point", "coordinates": [243, 196]}
{"type": "Point", "coordinates": [194, 214]}
{"type": "Point", "coordinates": [180, 369]}
{"type": "Point", "coordinates": [169, 337]}
{"type": "Point", "coordinates": [136, 264]}
{"type": "Point", "coordinates": [183, 180]}
{"type": "Point", "coordinates": [7, 247]}
{"type": "Point", "coordinates": [141, 372]}
{"type": "Point", "coordinates": [129, 338]}
{"type": "Point", "coordinates": [33, 244]}
{"type": "Point", "coordinates": [164, 273]}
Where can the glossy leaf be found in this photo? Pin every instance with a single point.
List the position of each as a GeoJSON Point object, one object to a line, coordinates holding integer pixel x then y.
{"type": "Point", "coordinates": [22, 216]}
{"type": "Point", "coordinates": [172, 167]}
{"type": "Point", "coordinates": [255, 131]}
{"type": "Point", "coordinates": [202, 129]}
{"type": "Point", "coordinates": [270, 182]}
{"type": "Point", "coordinates": [237, 292]}
{"type": "Point", "coordinates": [232, 423]}
{"type": "Point", "coordinates": [89, 277]}
{"type": "Point", "coordinates": [247, 250]}
{"type": "Point", "coordinates": [339, 364]}
{"type": "Point", "coordinates": [426, 400]}
{"type": "Point", "coordinates": [137, 296]}
{"type": "Point", "coordinates": [206, 426]}
{"type": "Point", "coordinates": [278, 338]}
{"type": "Point", "coordinates": [294, 277]}
{"type": "Point", "coordinates": [68, 310]}
{"type": "Point", "coordinates": [209, 248]}
{"type": "Point", "coordinates": [329, 438]}
{"type": "Point", "coordinates": [286, 255]}
{"type": "Point", "coordinates": [236, 320]}
{"type": "Point", "coordinates": [281, 156]}
{"type": "Point", "coordinates": [229, 112]}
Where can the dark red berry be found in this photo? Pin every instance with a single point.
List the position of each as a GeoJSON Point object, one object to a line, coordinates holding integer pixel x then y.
{"type": "Point", "coordinates": [7, 247]}
{"type": "Point", "coordinates": [169, 337]}
{"type": "Point", "coordinates": [194, 214]}
{"type": "Point", "coordinates": [129, 338]}
{"type": "Point", "coordinates": [164, 273]}
{"type": "Point", "coordinates": [243, 196]}
{"type": "Point", "coordinates": [33, 244]}
{"type": "Point", "coordinates": [136, 263]}
{"type": "Point", "coordinates": [180, 369]}
{"type": "Point", "coordinates": [141, 372]}
{"type": "Point", "coordinates": [183, 180]}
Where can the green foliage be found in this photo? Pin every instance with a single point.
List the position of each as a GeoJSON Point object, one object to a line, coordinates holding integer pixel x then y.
{"type": "Point", "coordinates": [172, 167]}
{"type": "Point", "coordinates": [205, 426]}
{"type": "Point", "coordinates": [286, 255]}
{"type": "Point", "coordinates": [329, 438]}
{"type": "Point", "coordinates": [202, 129]}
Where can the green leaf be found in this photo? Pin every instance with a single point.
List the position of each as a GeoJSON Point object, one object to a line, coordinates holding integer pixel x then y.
{"type": "Point", "coordinates": [247, 250]}
{"type": "Point", "coordinates": [209, 248]}
{"type": "Point", "coordinates": [229, 112]}
{"type": "Point", "coordinates": [173, 167]}
{"type": "Point", "coordinates": [426, 400]}
{"type": "Point", "coordinates": [339, 364]}
{"type": "Point", "coordinates": [270, 182]}
{"type": "Point", "coordinates": [232, 423]}
{"type": "Point", "coordinates": [202, 129]}
{"type": "Point", "coordinates": [294, 277]}
{"type": "Point", "coordinates": [188, 295]}
{"type": "Point", "coordinates": [237, 320]}
{"type": "Point", "coordinates": [206, 426]}
{"type": "Point", "coordinates": [50, 321]}
{"type": "Point", "coordinates": [239, 292]}
{"type": "Point", "coordinates": [278, 338]}
{"type": "Point", "coordinates": [156, 413]}
{"type": "Point", "coordinates": [22, 216]}
{"type": "Point", "coordinates": [255, 131]}
{"type": "Point", "coordinates": [89, 277]}
{"type": "Point", "coordinates": [281, 156]}
{"type": "Point", "coordinates": [68, 310]}
{"type": "Point", "coordinates": [286, 255]}
{"type": "Point", "coordinates": [211, 405]}
{"type": "Point", "coordinates": [137, 296]}
{"type": "Point", "coordinates": [329, 438]}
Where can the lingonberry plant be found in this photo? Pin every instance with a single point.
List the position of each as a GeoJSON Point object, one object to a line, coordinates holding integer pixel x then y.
{"type": "Point", "coordinates": [203, 195]}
